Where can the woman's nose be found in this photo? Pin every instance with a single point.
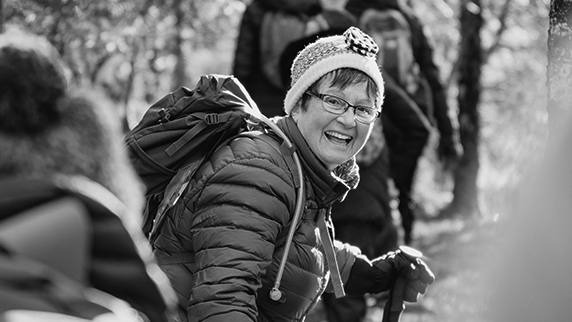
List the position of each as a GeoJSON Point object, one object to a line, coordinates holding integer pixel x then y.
{"type": "Point", "coordinates": [348, 118]}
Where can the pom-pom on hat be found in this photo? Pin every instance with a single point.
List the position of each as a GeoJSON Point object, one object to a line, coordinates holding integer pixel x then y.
{"type": "Point", "coordinates": [353, 49]}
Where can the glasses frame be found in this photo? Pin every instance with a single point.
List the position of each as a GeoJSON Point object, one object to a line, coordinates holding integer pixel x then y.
{"type": "Point", "coordinates": [326, 106]}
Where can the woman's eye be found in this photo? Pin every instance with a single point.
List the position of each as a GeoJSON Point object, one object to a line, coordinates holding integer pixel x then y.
{"type": "Point", "coordinates": [364, 110]}
{"type": "Point", "coordinates": [334, 101]}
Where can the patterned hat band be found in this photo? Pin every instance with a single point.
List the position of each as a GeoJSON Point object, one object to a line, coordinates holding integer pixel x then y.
{"type": "Point", "coordinates": [353, 49]}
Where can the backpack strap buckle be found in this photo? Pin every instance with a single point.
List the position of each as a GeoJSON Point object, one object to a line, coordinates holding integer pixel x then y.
{"type": "Point", "coordinates": [212, 118]}
{"type": "Point", "coordinates": [164, 116]}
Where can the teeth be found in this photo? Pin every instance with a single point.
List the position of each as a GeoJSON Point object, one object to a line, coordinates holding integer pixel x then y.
{"type": "Point", "coordinates": [339, 136]}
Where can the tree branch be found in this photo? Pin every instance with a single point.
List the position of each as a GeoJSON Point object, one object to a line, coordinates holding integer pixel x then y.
{"type": "Point", "coordinates": [498, 36]}
{"type": "Point", "coordinates": [443, 7]}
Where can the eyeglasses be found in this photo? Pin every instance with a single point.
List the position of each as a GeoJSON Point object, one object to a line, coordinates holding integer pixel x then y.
{"type": "Point", "coordinates": [338, 106]}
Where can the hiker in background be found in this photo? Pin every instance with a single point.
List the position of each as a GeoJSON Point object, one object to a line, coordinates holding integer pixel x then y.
{"type": "Point", "coordinates": [266, 28]}
{"type": "Point", "coordinates": [406, 53]}
{"type": "Point", "coordinates": [222, 242]}
{"type": "Point", "coordinates": [58, 145]}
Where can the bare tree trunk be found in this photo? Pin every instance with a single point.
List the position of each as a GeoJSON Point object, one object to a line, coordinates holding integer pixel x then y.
{"type": "Point", "coordinates": [559, 71]}
{"type": "Point", "coordinates": [502, 21]}
{"type": "Point", "coordinates": [465, 201]}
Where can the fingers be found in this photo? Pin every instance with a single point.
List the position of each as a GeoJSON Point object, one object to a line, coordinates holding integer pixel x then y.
{"type": "Point", "coordinates": [410, 295]}
{"type": "Point", "coordinates": [417, 286]}
{"type": "Point", "coordinates": [425, 273]}
{"type": "Point", "coordinates": [410, 271]}
{"type": "Point", "coordinates": [413, 289]}
{"type": "Point", "coordinates": [419, 276]}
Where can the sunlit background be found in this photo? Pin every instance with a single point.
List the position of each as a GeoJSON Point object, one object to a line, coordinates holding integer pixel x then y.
{"type": "Point", "coordinates": [140, 50]}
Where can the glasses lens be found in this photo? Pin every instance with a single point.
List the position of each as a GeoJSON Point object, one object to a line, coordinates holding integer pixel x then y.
{"type": "Point", "coordinates": [365, 114]}
{"type": "Point", "coordinates": [334, 104]}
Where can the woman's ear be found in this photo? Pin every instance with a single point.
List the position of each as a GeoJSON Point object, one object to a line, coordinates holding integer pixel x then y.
{"type": "Point", "coordinates": [295, 113]}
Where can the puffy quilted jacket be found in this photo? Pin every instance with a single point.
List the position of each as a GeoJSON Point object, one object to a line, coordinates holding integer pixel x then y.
{"type": "Point", "coordinates": [222, 243]}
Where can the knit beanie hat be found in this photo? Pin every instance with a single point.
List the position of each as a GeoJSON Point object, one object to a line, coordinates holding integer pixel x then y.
{"type": "Point", "coordinates": [353, 49]}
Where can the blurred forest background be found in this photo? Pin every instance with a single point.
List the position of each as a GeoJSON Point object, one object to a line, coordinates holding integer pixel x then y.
{"type": "Point", "coordinates": [139, 50]}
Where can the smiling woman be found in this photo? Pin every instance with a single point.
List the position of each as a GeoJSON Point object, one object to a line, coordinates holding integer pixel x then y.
{"type": "Point", "coordinates": [332, 131]}
{"type": "Point", "coordinates": [221, 242]}
{"type": "Point", "coordinates": [326, 76]}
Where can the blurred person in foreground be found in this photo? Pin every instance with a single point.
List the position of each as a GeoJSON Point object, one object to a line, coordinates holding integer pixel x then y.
{"type": "Point", "coordinates": [221, 245]}
{"type": "Point", "coordinates": [55, 144]}
{"type": "Point", "coordinates": [528, 279]}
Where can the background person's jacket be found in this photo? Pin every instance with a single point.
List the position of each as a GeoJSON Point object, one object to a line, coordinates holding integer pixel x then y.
{"type": "Point", "coordinates": [225, 237]}
{"type": "Point", "coordinates": [115, 260]}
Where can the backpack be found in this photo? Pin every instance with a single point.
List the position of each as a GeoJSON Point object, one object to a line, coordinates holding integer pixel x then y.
{"type": "Point", "coordinates": [277, 31]}
{"type": "Point", "coordinates": [392, 33]}
{"type": "Point", "coordinates": [182, 130]}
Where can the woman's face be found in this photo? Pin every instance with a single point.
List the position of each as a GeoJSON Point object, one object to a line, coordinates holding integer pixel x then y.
{"type": "Point", "coordinates": [334, 139]}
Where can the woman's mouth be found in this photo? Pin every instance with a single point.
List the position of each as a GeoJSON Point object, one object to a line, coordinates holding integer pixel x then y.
{"type": "Point", "coordinates": [338, 138]}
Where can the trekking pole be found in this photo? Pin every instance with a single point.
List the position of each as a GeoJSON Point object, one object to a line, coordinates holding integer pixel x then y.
{"type": "Point", "coordinates": [394, 305]}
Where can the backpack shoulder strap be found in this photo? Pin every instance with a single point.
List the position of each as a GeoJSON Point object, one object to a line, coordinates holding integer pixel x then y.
{"type": "Point", "coordinates": [173, 192]}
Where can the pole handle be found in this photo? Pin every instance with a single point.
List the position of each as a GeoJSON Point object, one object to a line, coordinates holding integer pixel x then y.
{"type": "Point", "coordinates": [395, 305]}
